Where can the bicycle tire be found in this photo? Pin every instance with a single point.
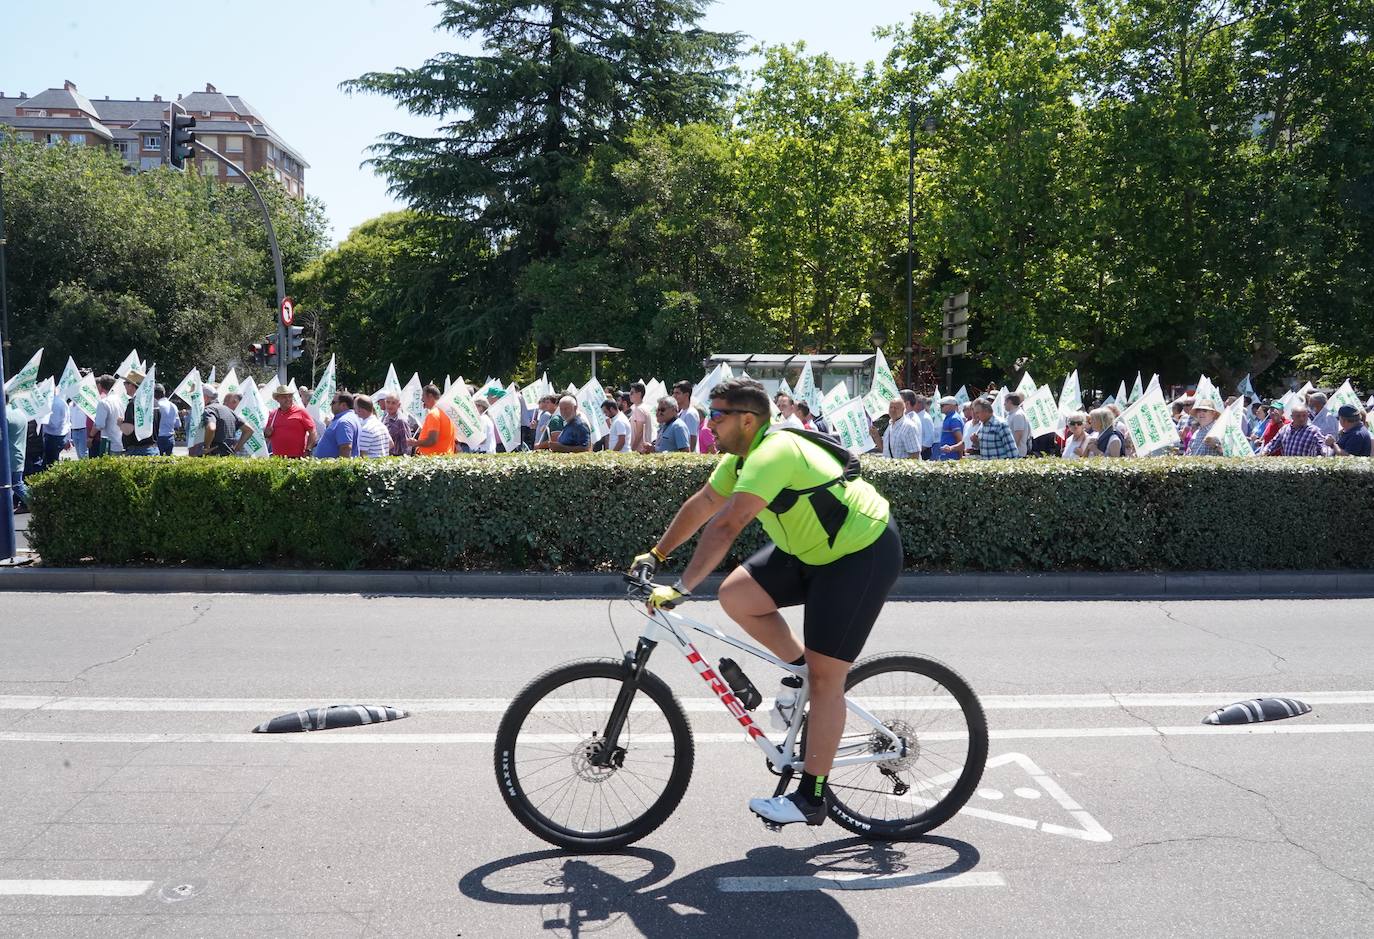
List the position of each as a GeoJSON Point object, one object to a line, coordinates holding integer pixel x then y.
{"type": "Point", "coordinates": [855, 791]}
{"type": "Point", "coordinates": [585, 727]}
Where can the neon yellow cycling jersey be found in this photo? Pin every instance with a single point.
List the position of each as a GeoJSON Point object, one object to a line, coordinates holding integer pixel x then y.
{"type": "Point", "coordinates": [820, 527]}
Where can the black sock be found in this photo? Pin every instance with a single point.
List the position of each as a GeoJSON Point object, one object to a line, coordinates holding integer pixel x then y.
{"type": "Point", "coordinates": [799, 660]}
{"type": "Point", "coordinates": [812, 788]}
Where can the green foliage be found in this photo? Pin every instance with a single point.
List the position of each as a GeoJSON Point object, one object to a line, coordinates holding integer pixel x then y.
{"type": "Point", "coordinates": [595, 511]}
{"type": "Point", "coordinates": [101, 261]}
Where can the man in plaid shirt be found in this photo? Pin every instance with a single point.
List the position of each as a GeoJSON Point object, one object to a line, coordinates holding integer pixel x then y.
{"type": "Point", "coordinates": [995, 439]}
{"type": "Point", "coordinates": [1297, 439]}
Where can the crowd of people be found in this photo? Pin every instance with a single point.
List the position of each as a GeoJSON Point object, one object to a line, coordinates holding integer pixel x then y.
{"type": "Point", "coordinates": [992, 426]}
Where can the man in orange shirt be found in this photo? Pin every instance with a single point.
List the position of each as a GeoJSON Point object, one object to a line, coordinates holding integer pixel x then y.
{"type": "Point", "coordinates": [437, 433]}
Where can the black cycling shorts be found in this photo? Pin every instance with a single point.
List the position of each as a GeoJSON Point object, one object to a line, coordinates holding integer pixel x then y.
{"type": "Point", "coordinates": [843, 598]}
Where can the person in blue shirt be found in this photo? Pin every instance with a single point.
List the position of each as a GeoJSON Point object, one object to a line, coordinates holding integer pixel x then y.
{"type": "Point", "coordinates": [673, 436]}
{"type": "Point", "coordinates": [1353, 439]}
{"type": "Point", "coordinates": [340, 438]}
{"type": "Point", "coordinates": [576, 436]}
{"type": "Point", "coordinates": [951, 431]}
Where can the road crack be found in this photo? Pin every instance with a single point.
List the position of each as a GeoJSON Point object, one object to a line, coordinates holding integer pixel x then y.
{"type": "Point", "coordinates": [1278, 660]}
{"type": "Point", "coordinates": [201, 607]}
{"type": "Point", "coordinates": [1279, 827]}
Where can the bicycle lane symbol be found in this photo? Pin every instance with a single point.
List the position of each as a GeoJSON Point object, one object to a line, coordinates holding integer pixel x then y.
{"type": "Point", "coordinates": [1036, 785]}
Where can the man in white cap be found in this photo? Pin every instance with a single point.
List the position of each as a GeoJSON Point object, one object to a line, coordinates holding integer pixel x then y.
{"type": "Point", "coordinates": [290, 429]}
{"type": "Point", "coordinates": [951, 431]}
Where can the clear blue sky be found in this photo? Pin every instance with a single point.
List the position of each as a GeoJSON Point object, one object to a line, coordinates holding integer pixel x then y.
{"type": "Point", "coordinates": [309, 46]}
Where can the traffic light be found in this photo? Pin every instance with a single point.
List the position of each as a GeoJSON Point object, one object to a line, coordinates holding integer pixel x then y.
{"type": "Point", "coordinates": [255, 353]}
{"type": "Point", "coordinates": [269, 351]}
{"type": "Point", "coordinates": [293, 342]}
{"type": "Point", "coordinates": [180, 139]}
{"type": "Point", "coordinates": [955, 325]}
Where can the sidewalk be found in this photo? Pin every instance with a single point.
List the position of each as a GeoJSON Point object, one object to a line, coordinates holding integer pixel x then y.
{"type": "Point", "coordinates": [540, 585]}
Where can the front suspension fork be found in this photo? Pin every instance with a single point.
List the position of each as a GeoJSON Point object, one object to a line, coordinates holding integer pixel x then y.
{"type": "Point", "coordinates": [610, 752]}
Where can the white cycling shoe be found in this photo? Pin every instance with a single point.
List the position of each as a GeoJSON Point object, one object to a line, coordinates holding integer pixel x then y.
{"type": "Point", "coordinates": [786, 810]}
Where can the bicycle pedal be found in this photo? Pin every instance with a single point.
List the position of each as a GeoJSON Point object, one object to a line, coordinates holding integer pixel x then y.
{"type": "Point", "coordinates": [771, 826]}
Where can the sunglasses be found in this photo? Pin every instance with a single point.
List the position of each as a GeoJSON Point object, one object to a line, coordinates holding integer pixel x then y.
{"type": "Point", "coordinates": [716, 414]}
{"type": "Point", "coordinates": [1075, 423]}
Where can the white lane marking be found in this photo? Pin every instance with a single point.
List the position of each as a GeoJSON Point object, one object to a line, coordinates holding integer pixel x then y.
{"type": "Point", "coordinates": [376, 736]}
{"type": "Point", "coordinates": [74, 888]}
{"type": "Point", "coordinates": [858, 882]}
{"type": "Point", "coordinates": [496, 705]}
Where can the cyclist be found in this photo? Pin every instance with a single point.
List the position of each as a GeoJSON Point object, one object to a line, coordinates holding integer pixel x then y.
{"type": "Point", "coordinates": [835, 549]}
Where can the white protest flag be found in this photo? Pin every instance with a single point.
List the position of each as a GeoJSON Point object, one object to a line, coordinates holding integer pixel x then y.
{"type": "Point", "coordinates": [653, 391]}
{"type": "Point", "coordinates": [1208, 395]}
{"type": "Point", "coordinates": [784, 388]}
{"type": "Point", "coordinates": [492, 385]}
{"type": "Point", "coordinates": [233, 386]}
{"type": "Point", "coordinates": [71, 377]}
{"type": "Point", "coordinates": [1229, 431]}
{"type": "Point", "coordinates": [1288, 400]}
{"type": "Point", "coordinates": [116, 399]}
{"type": "Point", "coordinates": [267, 394]}
{"type": "Point", "coordinates": [1121, 393]}
{"type": "Point", "coordinates": [505, 414]}
{"type": "Point", "coordinates": [211, 379]}
{"type": "Point", "coordinates": [1071, 397]}
{"type": "Point", "coordinates": [87, 396]}
{"type": "Point", "coordinates": [572, 390]}
{"type": "Point", "coordinates": [590, 396]}
{"type": "Point", "coordinates": [1306, 389]}
{"type": "Point", "coordinates": [850, 423]}
{"type": "Point", "coordinates": [321, 397]}
{"type": "Point", "coordinates": [36, 404]}
{"type": "Point", "coordinates": [1344, 395]}
{"type": "Point", "coordinates": [130, 361]}
{"type": "Point", "coordinates": [937, 397]}
{"type": "Point", "coordinates": [834, 398]}
{"type": "Point", "coordinates": [392, 385]}
{"type": "Point", "coordinates": [1245, 387]}
{"type": "Point", "coordinates": [884, 388]}
{"type": "Point", "coordinates": [457, 404]}
{"type": "Point", "coordinates": [807, 390]}
{"type": "Point", "coordinates": [961, 396]}
{"type": "Point", "coordinates": [701, 392]}
{"type": "Point", "coordinates": [252, 413]}
{"type": "Point", "coordinates": [726, 372]}
{"type": "Point", "coordinates": [1137, 389]}
{"type": "Point", "coordinates": [1042, 412]}
{"type": "Point", "coordinates": [144, 403]}
{"type": "Point", "coordinates": [1369, 404]}
{"type": "Point", "coordinates": [448, 383]}
{"type": "Point", "coordinates": [413, 399]}
{"type": "Point", "coordinates": [1027, 387]}
{"type": "Point", "coordinates": [532, 393]}
{"type": "Point", "coordinates": [193, 393]}
{"type": "Point", "coordinates": [1111, 399]}
{"type": "Point", "coordinates": [26, 379]}
{"type": "Point", "coordinates": [1154, 386]}
{"type": "Point", "coordinates": [999, 404]}
{"type": "Point", "coordinates": [20, 407]}
{"type": "Point", "coordinates": [1149, 423]}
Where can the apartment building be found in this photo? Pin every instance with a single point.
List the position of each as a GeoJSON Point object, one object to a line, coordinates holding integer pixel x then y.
{"type": "Point", "coordinates": [133, 129]}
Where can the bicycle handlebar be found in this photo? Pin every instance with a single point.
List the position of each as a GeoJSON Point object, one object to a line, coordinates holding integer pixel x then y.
{"type": "Point", "coordinates": [640, 587]}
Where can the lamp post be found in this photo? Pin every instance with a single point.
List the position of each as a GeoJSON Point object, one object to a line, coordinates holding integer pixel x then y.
{"type": "Point", "coordinates": [928, 126]}
{"type": "Point", "coordinates": [593, 348]}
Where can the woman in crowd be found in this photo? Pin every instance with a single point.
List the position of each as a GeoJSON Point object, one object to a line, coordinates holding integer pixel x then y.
{"type": "Point", "coordinates": [1108, 441]}
{"type": "Point", "coordinates": [1078, 443]}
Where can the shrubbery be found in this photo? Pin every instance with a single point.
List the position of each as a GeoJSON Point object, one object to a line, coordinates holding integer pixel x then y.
{"type": "Point", "coordinates": [594, 512]}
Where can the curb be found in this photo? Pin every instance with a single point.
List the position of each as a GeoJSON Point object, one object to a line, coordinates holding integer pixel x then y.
{"type": "Point", "coordinates": [1199, 585]}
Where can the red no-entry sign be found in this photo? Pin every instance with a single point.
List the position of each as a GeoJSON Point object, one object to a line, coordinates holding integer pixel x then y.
{"type": "Point", "coordinates": [288, 311]}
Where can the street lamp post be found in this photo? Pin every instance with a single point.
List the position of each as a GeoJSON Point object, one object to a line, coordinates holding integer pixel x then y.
{"type": "Point", "coordinates": [909, 379]}
{"type": "Point", "coordinates": [593, 348]}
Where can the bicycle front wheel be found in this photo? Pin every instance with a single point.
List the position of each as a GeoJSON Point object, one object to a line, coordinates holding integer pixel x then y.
{"type": "Point", "coordinates": [545, 745]}
{"type": "Point", "coordinates": [945, 733]}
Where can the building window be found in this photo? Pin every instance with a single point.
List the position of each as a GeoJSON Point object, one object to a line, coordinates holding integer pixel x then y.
{"type": "Point", "coordinates": [233, 144]}
{"type": "Point", "coordinates": [54, 139]}
{"type": "Point", "coordinates": [121, 147]}
{"type": "Point", "coordinates": [149, 163]}
{"type": "Point", "coordinates": [209, 167]}
{"type": "Point", "coordinates": [152, 142]}
{"type": "Point", "coordinates": [25, 135]}
{"type": "Point", "coordinates": [77, 139]}
{"type": "Point", "coordinates": [210, 141]}
{"type": "Point", "coordinates": [229, 170]}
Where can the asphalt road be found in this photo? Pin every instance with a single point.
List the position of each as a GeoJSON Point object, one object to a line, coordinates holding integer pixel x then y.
{"type": "Point", "coordinates": [128, 776]}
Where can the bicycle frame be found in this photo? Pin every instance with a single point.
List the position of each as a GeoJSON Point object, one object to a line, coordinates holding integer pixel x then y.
{"type": "Point", "coordinates": [671, 627]}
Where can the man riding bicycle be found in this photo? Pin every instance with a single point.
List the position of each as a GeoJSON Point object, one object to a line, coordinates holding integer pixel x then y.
{"type": "Point", "coordinates": [835, 549]}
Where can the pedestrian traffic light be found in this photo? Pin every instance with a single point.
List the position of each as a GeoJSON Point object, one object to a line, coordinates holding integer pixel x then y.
{"type": "Point", "coordinates": [255, 353]}
{"type": "Point", "coordinates": [269, 351]}
{"type": "Point", "coordinates": [180, 139]}
{"type": "Point", "coordinates": [293, 340]}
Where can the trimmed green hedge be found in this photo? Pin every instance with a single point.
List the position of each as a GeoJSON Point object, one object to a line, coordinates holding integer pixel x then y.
{"type": "Point", "coordinates": [595, 511]}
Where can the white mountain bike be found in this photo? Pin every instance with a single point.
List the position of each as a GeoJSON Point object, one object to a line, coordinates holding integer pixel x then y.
{"type": "Point", "coordinates": [596, 754]}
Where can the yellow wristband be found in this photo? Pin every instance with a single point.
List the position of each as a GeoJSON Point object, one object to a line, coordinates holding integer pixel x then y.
{"type": "Point", "coordinates": [662, 558]}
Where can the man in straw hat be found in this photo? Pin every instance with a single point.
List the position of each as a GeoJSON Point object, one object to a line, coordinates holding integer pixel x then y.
{"type": "Point", "coordinates": [290, 429]}
{"type": "Point", "coordinates": [135, 445]}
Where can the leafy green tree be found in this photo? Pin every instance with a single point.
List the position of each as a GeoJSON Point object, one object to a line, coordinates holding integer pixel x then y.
{"type": "Point", "coordinates": [101, 261]}
{"type": "Point", "coordinates": [556, 80]}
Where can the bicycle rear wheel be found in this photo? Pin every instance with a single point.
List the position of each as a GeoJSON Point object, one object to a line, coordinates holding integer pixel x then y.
{"type": "Point", "coordinates": [545, 743]}
{"type": "Point", "coordinates": [939, 718]}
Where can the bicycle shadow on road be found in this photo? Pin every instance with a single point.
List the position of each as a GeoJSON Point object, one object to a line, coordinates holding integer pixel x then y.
{"type": "Point", "coordinates": [773, 891]}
